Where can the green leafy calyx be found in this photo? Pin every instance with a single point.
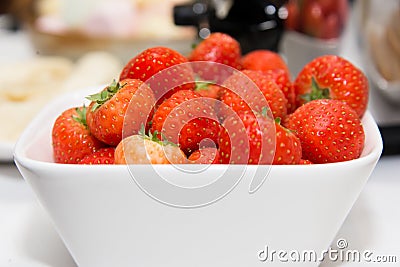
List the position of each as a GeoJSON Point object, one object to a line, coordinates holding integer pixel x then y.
{"type": "Point", "coordinates": [105, 95]}
{"type": "Point", "coordinates": [81, 116]}
{"type": "Point", "coordinates": [316, 92]}
{"type": "Point", "coordinates": [202, 85]}
{"type": "Point", "coordinates": [154, 136]}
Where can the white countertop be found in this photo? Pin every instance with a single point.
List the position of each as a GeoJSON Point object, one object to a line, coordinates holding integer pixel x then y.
{"type": "Point", "coordinates": [28, 238]}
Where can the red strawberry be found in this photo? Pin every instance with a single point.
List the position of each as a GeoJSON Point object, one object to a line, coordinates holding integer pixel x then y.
{"type": "Point", "coordinates": [101, 156]}
{"type": "Point", "coordinates": [130, 99]}
{"type": "Point", "coordinates": [305, 162]}
{"type": "Point", "coordinates": [154, 60]}
{"type": "Point", "coordinates": [147, 149]}
{"type": "Point", "coordinates": [293, 17]}
{"type": "Point", "coordinates": [218, 47]}
{"type": "Point", "coordinates": [71, 137]}
{"type": "Point", "coordinates": [150, 61]}
{"type": "Point", "coordinates": [206, 155]}
{"type": "Point", "coordinates": [252, 98]}
{"type": "Point", "coordinates": [327, 6]}
{"type": "Point", "coordinates": [329, 131]}
{"type": "Point", "coordinates": [187, 119]}
{"type": "Point", "coordinates": [282, 79]}
{"type": "Point", "coordinates": [312, 23]}
{"type": "Point", "coordinates": [247, 138]}
{"type": "Point", "coordinates": [331, 27]}
{"type": "Point", "coordinates": [263, 60]}
{"type": "Point", "coordinates": [335, 78]}
{"type": "Point", "coordinates": [208, 89]}
{"type": "Point", "coordinates": [288, 147]}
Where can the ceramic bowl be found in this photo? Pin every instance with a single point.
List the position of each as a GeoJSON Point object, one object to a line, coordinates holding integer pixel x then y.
{"type": "Point", "coordinates": [106, 218]}
{"type": "Point", "coordinates": [299, 49]}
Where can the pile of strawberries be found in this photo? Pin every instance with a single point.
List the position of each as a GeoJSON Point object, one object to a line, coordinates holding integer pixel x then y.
{"type": "Point", "coordinates": [206, 117]}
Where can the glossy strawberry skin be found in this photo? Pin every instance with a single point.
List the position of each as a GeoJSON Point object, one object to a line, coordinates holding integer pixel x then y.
{"type": "Point", "coordinates": [102, 156]}
{"type": "Point", "coordinates": [329, 131]}
{"type": "Point", "coordinates": [266, 92]}
{"type": "Point", "coordinates": [209, 90]}
{"type": "Point", "coordinates": [288, 147]}
{"type": "Point", "coordinates": [247, 138]}
{"type": "Point", "coordinates": [133, 100]}
{"type": "Point", "coordinates": [282, 79]}
{"type": "Point", "coordinates": [152, 61]}
{"type": "Point", "coordinates": [218, 47]}
{"type": "Point", "coordinates": [344, 81]}
{"type": "Point", "coordinates": [187, 119]}
{"type": "Point", "coordinates": [263, 60]}
{"type": "Point", "coordinates": [305, 162]}
{"type": "Point", "coordinates": [137, 149]}
{"type": "Point", "coordinates": [71, 139]}
{"type": "Point", "coordinates": [207, 155]}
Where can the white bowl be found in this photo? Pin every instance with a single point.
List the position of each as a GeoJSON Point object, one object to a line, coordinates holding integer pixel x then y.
{"type": "Point", "coordinates": [106, 219]}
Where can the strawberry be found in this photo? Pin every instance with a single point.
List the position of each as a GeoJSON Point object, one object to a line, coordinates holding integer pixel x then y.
{"type": "Point", "coordinates": [273, 65]}
{"type": "Point", "coordinates": [208, 89]}
{"type": "Point", "coordinates": [312, 23]}
{"type": "Point", "coordinates": [305, 162]}
{"type": "Point", "coordinates": [71, 137]}
{"type": "Point", "coordinates": [333, 77]}
{"type": "Point", "coordinates": [206, 155]}
{"type": "Point", "coordinates": [265, 91]}
{"type": "Point", "coordinates": [292, 21]}
{"type": "Point", "coordinates": [327, 6]}
{"type": "Point", "coordinates": [102, 156]}
{"type": "Point", "coordinates": [148, 149]}
{"type": "Point", "coordinates": [129, 99]}
{"type": "Point", "coordinates": [263, 60]}
{"type": "Point", "coordinates": [154, 60]}
{"type": "Point", "coordinates": [288, 147]}
{"type": "Point", "coordinates": [218, 47]}
{"type": "Point", "coordinates": [187, 119]}
{"type": "Point", "coordinates": [331, 27]}
{"type": "Point", "coordinates": [282, 79]}
{"type": "Point", "coordinates": [329, 131]}
{"type": "Point", "coordinates": [247, 138]}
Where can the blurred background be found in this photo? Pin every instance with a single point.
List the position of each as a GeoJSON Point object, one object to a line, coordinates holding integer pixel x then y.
{"type": "Point", "coordinates": [48, 47]}
{"type": "Point", "coordinates": [52, 46]}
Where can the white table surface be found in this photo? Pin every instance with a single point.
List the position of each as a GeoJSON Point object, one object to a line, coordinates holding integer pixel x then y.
{"type": "Point", "coordinates": [28, 238]}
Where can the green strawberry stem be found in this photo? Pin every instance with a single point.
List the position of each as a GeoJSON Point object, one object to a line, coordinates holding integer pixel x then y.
{"type": "Point", "coordinates": [154, 137]}
{"type": "Point", "coordinates": [278, 121]}
{"type": "Point", "coordinates": [81, 117]}
{"type": "Point", "coordinates": [201, 85]}
{"type": "Point", "coordinates": [105, 95]}
{"type": "Point", "coordinates": [316, 92]}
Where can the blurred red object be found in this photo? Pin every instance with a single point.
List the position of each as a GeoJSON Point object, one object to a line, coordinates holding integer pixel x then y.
{"type": "Point", "coordinates": [324, 19]}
